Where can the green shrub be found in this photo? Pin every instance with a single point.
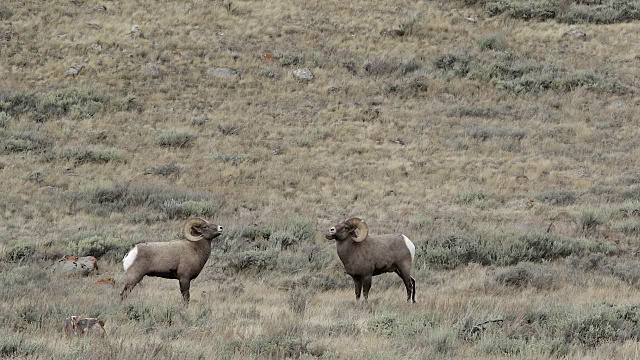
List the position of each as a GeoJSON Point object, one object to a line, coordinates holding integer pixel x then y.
{"type": "Point", "coordinates": [456, 63]}
{"type": "Point", "coordinates": [605, 324]}
{"type": "Point", "coordinates": [255, 261]}
{"type": "Point", "coordinates": [20, 251]}
{"type": "Point", "coordinates": [234, 159]}
{"type": "Point", "coordinates": [494, 42]}
{"type": "Point", "coordinates": [399, 326]}
{"type": "Point", "coordinates": [381, 67]}
{"type": "Point", "coordinates": [5, 12]}
{"type": "Point", "coordinates": [103, 200]}
{"type": "Point", "coordinates": [26, 140]}
{"type": "Point", "coordinates": [97, 245]}
{"type": "Point", "coordinates": [528, 274]}
{"type": "Point", "coordinates": [175, 209]}
{"type": "Point", "coordinates": [177, 139]}
{"type": "Point", "coordinates": [165, 169]}
{"type": "Point", "coordinates": [408, 87]}
{"type": "Point", "coordinates": [14, 346]}
{"type": "Point", "coordinates": [85, 155]}
{"type": "Point", "coordinates": [560, 197]}
{"type": "Point", "coordinates": [589, 219]}
{"type": "Point", "coordinates": [501, 249]}
{"type": "Point", "coordinates": [4, 119]}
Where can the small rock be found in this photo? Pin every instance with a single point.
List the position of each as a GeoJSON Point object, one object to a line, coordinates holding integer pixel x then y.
{"type": "Point", "coordinates": [136, 31]}
{"type": "Point", "coordinates": [392, 33]}
{"type": "Point", "coordinates": [94, 26]}
{"type": "Point", "coordinates": [575, 33]}
{"type": "Point", "coordinates": [74, 70]}
{"type": "Point", "coordinates": [333, 90]}
{"type": "Point", "coordinates": [75, 265]}
{"type": "Point", "coordinates": [79, 326]}
{"type": "Point", "coordinates": [224, 73]}
{"type": "Point", "coordinates": [96, 48]}
{"type": "Point", "coordinates": [152, 70]}
{"type": "Point", "coordinates": [618, 104]}
{"type": "Point", "coordinates": [303, 74]}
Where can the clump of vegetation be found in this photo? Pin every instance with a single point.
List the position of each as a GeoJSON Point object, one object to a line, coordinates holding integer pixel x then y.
{"type": "Point", "coordinates": [502, 249]}
{"type": "Point", "coordinates": [86, 155]}
{"type": "Point", "coordinates": [25, 140]}
{"type": "Point", "coordinates": [97, 245]}
{"type": "Point", "coordinates": [595, 12]}
{"type": "Point", "coordinates": [494, 42]}
{"type": "Point", "coordinates": [104, 200]}
{"type": "Point", "coordinates": [455, 63]}
{"type": "Point", "coordinates": [588, 220]}
{"type": "Point", "coordinates": [528, 274]}
{"type": "Point", "coordinates": [176, 209]}
{"type": "Point", "coordinates": [15, 346]}
{"type": "Point", "coordinates": [605, 324]}
{"type": "Point", "coordinates": [176, 139]}
{"type": "Point", "coordinates": [74, 102]}
{"type": "Point", "coordinates": [254, 261]}
{"type": "Point", "coordinates": [165, 169]}
{"type": "Point", "coordinates": [398, 326]}
{"type": "Point", "coordinates": [20, 251]}
{"type": "Point", "coordinates": [560, 197]}
{"type": "Point", "coordinates": [5, 12]}
{"type": "Point", "coordinates": [234, 159]}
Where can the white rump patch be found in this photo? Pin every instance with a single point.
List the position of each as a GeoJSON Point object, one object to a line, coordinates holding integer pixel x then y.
{"type": "Point", "coordinates": [410, 246]}
{"type": "Point", "coordinates": [131, 257]}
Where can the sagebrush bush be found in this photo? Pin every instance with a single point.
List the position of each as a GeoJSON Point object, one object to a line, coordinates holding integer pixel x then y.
{"type": "Point", "coordinates": [503, 249]}
{"type": "Point", "coordinates": [165, 169]}
{"type": "Point", "coordinates": [97, 245]}
{"type": "Point", "coordinates": [602, 324]}
{"type": "Point", "coordinates": [74, 102]}
{"type": "Point", "coordinates": [24, 140]}
{"type": "Point", "coordinates": [15, 346]}
{"type": "Point", "coordinates": [177, 139]}
{"type": "Point", "coordinates": [494, 42]}
{"type": "Point", "coordinates": [524, 274]}
{"type": "Point", "coordinates": [20, 251]}
{"type": "Point", "coordinates": [104, 200]}
{"type": "Point", "coordinates": [560, 197]}
{"type": "Point", "coordinates": [85, 155]}
{"type": "Point", "coordinates": [254, 261]}
{"type": "Point", "coordinates": [176, 209]}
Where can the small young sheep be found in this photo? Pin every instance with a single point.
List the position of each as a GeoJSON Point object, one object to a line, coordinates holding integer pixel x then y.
{"type": "Point", "coordinates": [365, 256]}
{"type": "Point", "coordinates": [181, 259]}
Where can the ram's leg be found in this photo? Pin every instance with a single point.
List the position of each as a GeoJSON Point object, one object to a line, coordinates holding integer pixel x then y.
{"type": "Point", "coordinates": [130, 281]}
{"type": "Point", "coordinates": [408, 283]}
{"type": "Point", "coordinates": [366, 284]}
{"type": "Point", "coordinates": [185, 284]}
{"type": "Point", "coordinates": [413, 285]}
{"type": "Point", "coordinates": [357, 282]}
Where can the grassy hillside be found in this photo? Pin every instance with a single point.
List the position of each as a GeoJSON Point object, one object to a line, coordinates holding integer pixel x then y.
{"type": "Point", "coordinates": [502, 144]}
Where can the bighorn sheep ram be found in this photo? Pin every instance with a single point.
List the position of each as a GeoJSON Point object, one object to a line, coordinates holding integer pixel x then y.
{"type": "Point", "coordinates": [365, 256]}
{"type": "Point", "coordinates": [180, 259]}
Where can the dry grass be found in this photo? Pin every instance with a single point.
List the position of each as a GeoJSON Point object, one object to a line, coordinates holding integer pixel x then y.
{"type": "Point", "coordinates": [470, 133]}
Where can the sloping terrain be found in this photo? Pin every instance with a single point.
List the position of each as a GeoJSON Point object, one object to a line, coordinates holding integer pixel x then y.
{"type": "Point", "coordinates": [500, 136]}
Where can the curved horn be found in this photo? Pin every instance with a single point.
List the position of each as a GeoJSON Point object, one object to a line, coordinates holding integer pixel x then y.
{"type": "Point", "coordinates": [188, 226]}
{"type": "Point", "coordinates": [363, 229]}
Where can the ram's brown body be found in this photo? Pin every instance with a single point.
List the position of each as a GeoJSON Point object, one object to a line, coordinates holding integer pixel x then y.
{"type": "Point", "coordinates": [377, 255]}
{"type": "Point", "coordinates": [365, 256]}
{"type": "Point", "coordinates": [181, 259]}
{"type": "Point", "coordinates": [168, 259]}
